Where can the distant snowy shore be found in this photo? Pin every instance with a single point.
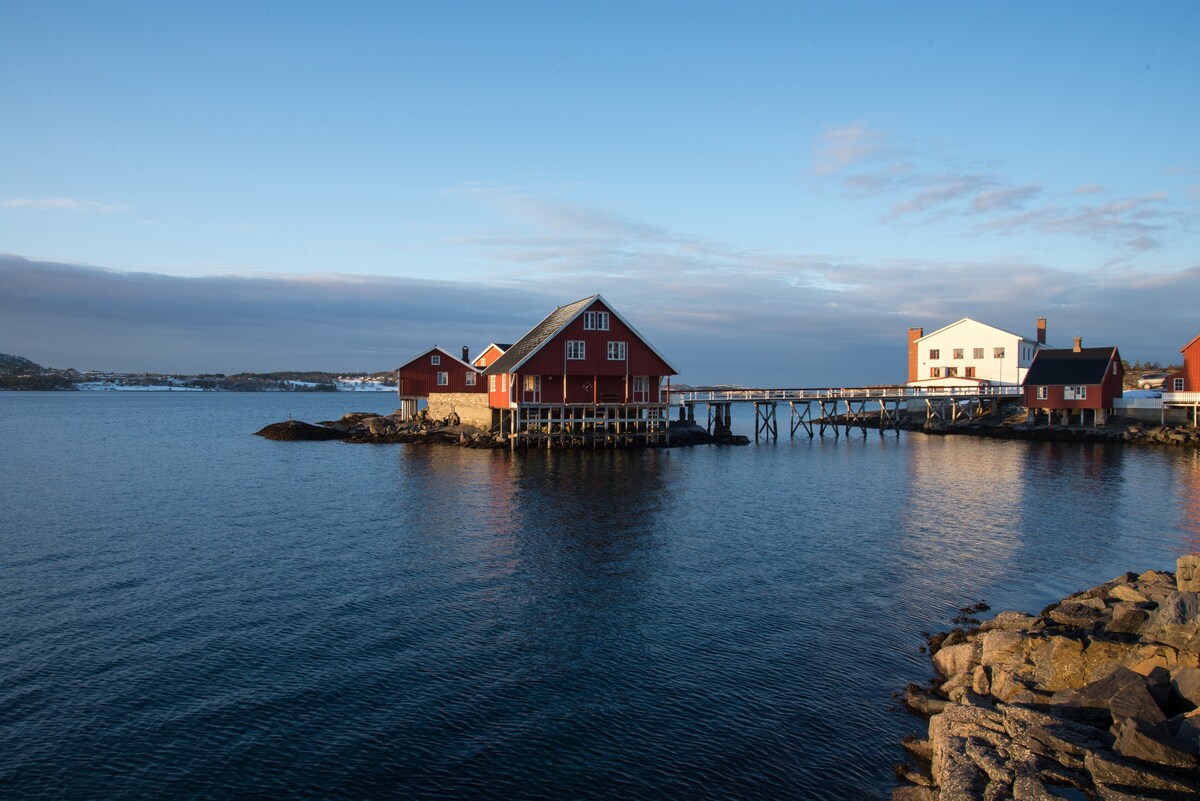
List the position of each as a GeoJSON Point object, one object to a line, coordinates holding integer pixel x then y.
{"type": "Point", "coordinates": [347, 385]}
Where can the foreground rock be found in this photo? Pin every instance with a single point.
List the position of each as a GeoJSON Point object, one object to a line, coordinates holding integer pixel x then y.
{"type": "Point", "coordinates": [294, 430]}
{"type": "Point", "coordinates": [1098, 697]}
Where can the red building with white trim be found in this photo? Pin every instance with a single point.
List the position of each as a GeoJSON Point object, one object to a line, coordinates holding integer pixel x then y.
{"type": "Point", "coordinates": [1065, 381]}
{"type": "Point", "coordinates": [437, 370]}
{"type": "Point", "coordinates": [582, 353]}
{"type": "Point", "coordinates": [1187, 379]}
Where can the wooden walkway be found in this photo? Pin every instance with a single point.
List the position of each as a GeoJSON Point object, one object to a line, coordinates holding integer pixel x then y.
{"type": "Point", "coordinates": [817, 410]}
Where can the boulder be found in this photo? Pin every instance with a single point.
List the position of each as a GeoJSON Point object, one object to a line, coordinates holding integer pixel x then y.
{"type": "Point", "coordinates": [1137, 739]}
{"type": "Point", "coordinates": [1187, 573]}
{"type": "Point", "coordinates": [1176, 621]}
{"type": "Point", "coordinates": [1185, 686]}
{"type": "Point", "coordinates": [296, 431]}
{"type": "Point", "coordinates": [954, 660]}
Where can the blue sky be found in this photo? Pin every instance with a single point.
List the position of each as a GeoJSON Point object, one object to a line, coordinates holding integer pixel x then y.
{"type": "Point", "coordinates": [773, 193]}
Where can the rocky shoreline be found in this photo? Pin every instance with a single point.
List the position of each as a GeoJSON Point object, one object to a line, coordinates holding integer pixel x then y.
{"type": "Point", "coordinates": [369, 428]}
{"type": "Point", "coordinates": [1117, 430]}
{"type": "Point", "coordinates": [1096, 697]}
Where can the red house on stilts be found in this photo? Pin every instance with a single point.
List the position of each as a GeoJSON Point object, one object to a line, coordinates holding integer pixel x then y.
{"type": "Point", "coordinates": [583, 372]}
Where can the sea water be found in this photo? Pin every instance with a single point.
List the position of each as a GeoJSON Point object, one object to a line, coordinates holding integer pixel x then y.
{"type": "Point", "coordinates": [188, 611]}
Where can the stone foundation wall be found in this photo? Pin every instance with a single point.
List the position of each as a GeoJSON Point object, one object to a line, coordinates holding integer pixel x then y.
{"type": "Point", "coordinates": [471, 407]}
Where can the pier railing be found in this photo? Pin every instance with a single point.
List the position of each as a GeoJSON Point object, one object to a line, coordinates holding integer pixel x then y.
{"type": "Point", "coordinates": [759, 394]}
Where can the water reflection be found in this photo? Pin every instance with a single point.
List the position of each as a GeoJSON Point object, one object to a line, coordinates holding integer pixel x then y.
{"type": "Point", "coordinates": [1189, 498]}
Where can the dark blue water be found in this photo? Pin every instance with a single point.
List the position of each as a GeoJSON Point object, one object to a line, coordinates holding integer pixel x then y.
{"type": "Point", "coordinates": [188, 611]}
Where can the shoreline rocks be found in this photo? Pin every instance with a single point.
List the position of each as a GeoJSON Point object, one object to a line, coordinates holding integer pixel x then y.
{"type": "Point", "coordinates": [1118, 430]}
{"type": "Point", "coordinates": [1096, 697]}
{"type": "Point", "coordinates": [370, 428]}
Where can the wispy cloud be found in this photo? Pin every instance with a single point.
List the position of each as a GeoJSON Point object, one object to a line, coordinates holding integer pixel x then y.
{"type": "Point", "coordinates": [927, 186]}
{"type": "Point", "coordinates": [65, 204]}
{"type": "Point", "coordinates": [840, 148]}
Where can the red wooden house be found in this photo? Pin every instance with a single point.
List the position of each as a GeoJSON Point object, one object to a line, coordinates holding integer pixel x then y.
{"type": "Point", "coordinates": [1066, 381]}
{"type": "Point", "coordinates": [581, 353]}
{"type": "Point", "coordinates": [1187, 379]}
{"type": "Point", "coordinates": [437, 370]}
{"type": "Point", "coordinates": [489, 354]}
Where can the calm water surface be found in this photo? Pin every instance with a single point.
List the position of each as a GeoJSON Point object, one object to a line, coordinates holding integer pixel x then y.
{"type": "Point", "coordinates": [188, 611]}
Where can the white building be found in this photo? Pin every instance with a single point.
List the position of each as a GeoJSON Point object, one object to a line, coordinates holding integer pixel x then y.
{"type": "Point", "coordinates": [968, 353]}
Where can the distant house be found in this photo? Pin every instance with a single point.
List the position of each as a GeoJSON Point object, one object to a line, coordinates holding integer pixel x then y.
{"type": "Point", "coordinates": [1061, 382]}
{"type": "Point", "coordinates": [1187, 379]}
{"type": "Point", "coordinates": [582, 353]}
{"type": "Point", "coordinates": [437, 372]}
{"type": "Point", "coordinates": [489, 354]}
{"type": "Point", "coordinates": [971, 353]}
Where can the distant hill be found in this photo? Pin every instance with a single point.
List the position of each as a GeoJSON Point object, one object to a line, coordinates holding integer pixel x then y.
{"type": "Point", "coordinates": [15, 365]}
{"type": "Point", "coordinates": [17, 372]}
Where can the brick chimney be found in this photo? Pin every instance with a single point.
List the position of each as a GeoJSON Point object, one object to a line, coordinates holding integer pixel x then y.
{"type": "Point", "coordinates": [913, 335]}
{"type": "Point", "coordinates": [1041, 331]}
{"type": "Point", "coordinates": [1078, 344]}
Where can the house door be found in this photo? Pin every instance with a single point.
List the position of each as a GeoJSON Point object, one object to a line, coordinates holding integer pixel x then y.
{"type": "Point", "coordinates": [533, 389]}
{"type": "Point", "coordinates": [641, 389]}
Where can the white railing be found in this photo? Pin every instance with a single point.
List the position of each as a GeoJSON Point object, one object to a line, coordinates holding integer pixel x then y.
{"type": "Point", "coordinates": [1181, 397]}
{"type": "Point", "coordinates": [747, 394]}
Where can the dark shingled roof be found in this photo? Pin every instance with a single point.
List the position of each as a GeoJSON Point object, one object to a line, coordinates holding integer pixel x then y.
{"type": "Point", "coordinates": [1067, 367]}
{"type": "Point", "coordinates": [547, 328]}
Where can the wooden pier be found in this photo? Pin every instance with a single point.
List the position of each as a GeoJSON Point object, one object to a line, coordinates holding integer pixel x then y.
{"type": "Point", "coordinates": [816, 411]}
{"type": "Point", "coordinates": [604, 425]}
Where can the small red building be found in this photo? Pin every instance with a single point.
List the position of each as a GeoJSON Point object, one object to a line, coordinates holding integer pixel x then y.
{"type": "Point", "coordinates": [1187, 379]}
{"type": "Point", "coordinates": [1065, 381]}
{"type": "Point", "coordinates": [437, 370]}
{"type": "Point", "coordinates": [489, 354]}
{"type": "Point", "coordinates": [581, 353]}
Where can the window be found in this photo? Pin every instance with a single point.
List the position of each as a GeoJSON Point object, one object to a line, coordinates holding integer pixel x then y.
{"type": "Point", "coordinates": [1043, 393]}
{"type": "Point", "coordinates": [1074, 393]}
{"type": "Point", "coordinates": [977, 353]}
{"type": "Point", "coordinates": [616, 351]}
{"type": "Point", "coordinates": [435, 359]}
{"type": "Point", "coordinates": [470, 378]}
{"type": "Point", "coordinates": [952, 372]}
{"type": "Point", "coordinates": [595, 321]}
{"type": "Point", "coordinates": [1178, 384]}
{"type": "Point", "coordinates": [958, 353]}
{"type": "Point", "coordinates": [970, 372]}
{"type": "Point", "coordinates": [935, 372]}
{"type": "Point", "coordinates": [575, 349]}
{"type": "Point", "coordinates": [934, 353]}
{"type": "Point", "coordinates": [443, 379]}
{"type": "Point", "coordinates": [504, 382]}
{"type": "Point", "coordinates": [491, 383]}
{"type": "Point", "coordinates": [998, 353]}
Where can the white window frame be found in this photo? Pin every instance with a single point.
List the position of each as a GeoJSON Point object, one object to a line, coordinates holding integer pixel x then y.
{"type": "Point", "coordinates": [998, 353]}
{"type": "Point", "coordinates": [491, 383]}
{"type": "Point", "coordinates": [935, 353]}
{"type": "Point", "coordinates": [616, 351]}
{"type": "Point", "coordinates": [1043, 393]}
{"type": "Point", "coordinates": [576, 350]}
{"type": "Point", "coordinates": [595, 321]}
{"type": "Point", "coordinates": [1178, 384]}
{"type": "Point", "coordinates": [470, 378]}
{"type": "Point", "coordinates": [641, 387]}
{"type": "Point", "coordinates": [443, 379]}
{"type": "Point", "coordinates": [1075, 393]}
{"type": "Point", "coordinates": [977, 353]}
{"type": "Point", "coordinates": [435, 359]}
{"type": "Point", "coordinates": [958, 353]}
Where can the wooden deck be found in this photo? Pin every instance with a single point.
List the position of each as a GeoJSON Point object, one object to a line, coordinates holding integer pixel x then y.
{"type": "Point", "coordinates": [817, 410]}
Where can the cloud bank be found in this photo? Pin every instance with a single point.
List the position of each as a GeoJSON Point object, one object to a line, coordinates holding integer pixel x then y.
{"type": "Point", "coordinates": [720, 314]}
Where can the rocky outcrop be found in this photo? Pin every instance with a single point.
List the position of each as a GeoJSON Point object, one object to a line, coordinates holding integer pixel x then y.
{"type": "Point", "coordinates": [294, 430]}
{"type": "Point", "coordinates": [1097, 697]}
{"type": "Point", "coordinates": [1118, 430]}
